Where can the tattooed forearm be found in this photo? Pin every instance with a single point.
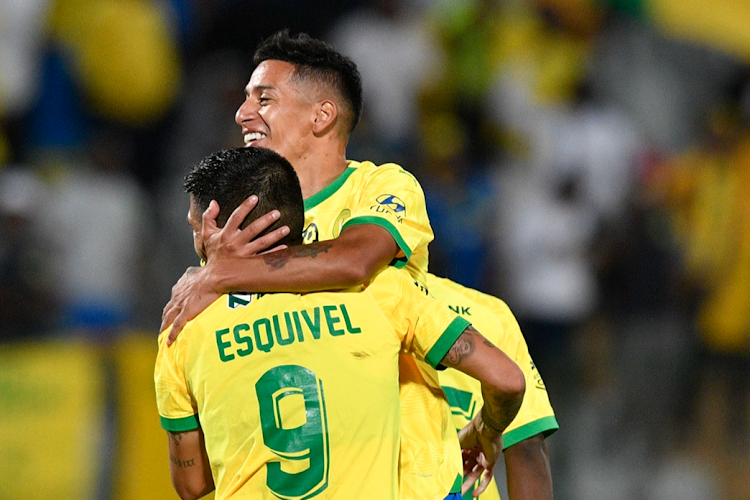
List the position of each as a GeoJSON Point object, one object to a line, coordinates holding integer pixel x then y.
{"type": "Point", "coordinates": [499, 411]}
{"type": "Point", "coordinates": [462, 348]}
{"type": "Point", "coordinates": [182, 464]}
{"type": "Point", "coordinates": [277, 260]}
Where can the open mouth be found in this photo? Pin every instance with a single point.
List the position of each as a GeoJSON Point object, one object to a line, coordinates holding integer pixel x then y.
{"type": "Point", "coordinates": [251, 137]}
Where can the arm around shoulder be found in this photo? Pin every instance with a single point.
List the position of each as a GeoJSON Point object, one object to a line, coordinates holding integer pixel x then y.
{"type": "Point", "coordinates": [357, 255]}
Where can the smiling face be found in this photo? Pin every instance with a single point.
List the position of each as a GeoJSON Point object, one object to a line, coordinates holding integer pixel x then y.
{"type": "Point", "coordinates": [278, 110]}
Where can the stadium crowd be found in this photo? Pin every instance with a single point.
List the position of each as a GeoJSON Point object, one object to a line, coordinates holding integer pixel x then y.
{"type": "Point", "coordinates": [580, 160]}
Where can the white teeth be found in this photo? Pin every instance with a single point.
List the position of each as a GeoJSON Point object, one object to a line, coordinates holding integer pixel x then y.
{"type": "Point", "coordinates": [253, 136]}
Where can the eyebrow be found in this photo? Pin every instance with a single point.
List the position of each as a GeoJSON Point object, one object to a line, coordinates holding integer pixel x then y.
{"type": "Point", "coordinates": [259, 88]}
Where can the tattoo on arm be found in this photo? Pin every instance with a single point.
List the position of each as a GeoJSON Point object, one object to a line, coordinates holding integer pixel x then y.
{"type": "Point", "coordinates": [176, 437]}
{"type": "Point", "coordinates": [461, 349]}
{"type": "Point", "coordinates": [182, 464]}
{"type": "Point", "coordinates": [277, 260]}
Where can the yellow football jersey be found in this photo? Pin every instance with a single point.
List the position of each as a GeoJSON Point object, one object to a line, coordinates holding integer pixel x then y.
{"type": "Point", "coordinates": [494, 319]}
{"type": "Point", "coordinates": [385, 195]}
{"type": "Point", "coordinates": [390, 197]}
{"type": "Point", "coordinates": [298, 394]}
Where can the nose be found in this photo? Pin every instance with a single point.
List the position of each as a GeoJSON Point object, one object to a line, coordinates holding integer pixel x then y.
{"type": "Point", "coordinates": [245, 112]}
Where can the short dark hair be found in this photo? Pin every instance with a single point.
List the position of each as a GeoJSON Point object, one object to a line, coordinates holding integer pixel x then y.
{"type": "Point", "coordinates": [318, 60]}
{"type": "Point", "coordinates": [230, 176]}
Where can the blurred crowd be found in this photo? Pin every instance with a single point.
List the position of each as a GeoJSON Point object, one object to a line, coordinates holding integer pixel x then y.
{"type": "Point", "coordinates": [580, 160]}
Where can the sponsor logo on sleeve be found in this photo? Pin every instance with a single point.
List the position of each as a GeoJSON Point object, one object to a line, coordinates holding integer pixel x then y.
{"type": "Point", "coordinates": [390, 204]}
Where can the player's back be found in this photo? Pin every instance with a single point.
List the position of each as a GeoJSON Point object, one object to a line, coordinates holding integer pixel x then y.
{"type": "Point", "coordinates": [291, 391]}
{"type": "Point", "coordinates": [298, 395]}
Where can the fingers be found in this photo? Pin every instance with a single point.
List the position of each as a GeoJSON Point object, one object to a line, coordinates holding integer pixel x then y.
{"type": "Point", "coordinates": [470, 478]}
{"type": "Point", "coordinates": [259, 245]}
{"type": "Point", "coordinates": [167, 316]}
{"type": "Point", "coordinates": [209, 219]}
{"type": "Point", "coordinates": [274, 249]}
{"type": "Point", "coordinates": [238, 215]}
{"type": "Point", "coordinates": [259, 225]}
{"type": "Point", "coordinates": [179, 323]}
{"type": "Point", "coordinates": [486, 480]}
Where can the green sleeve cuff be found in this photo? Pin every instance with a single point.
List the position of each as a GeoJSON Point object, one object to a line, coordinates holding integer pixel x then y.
{"type": "Point", "coordinates": [398, 263]}
{"type": "Point", "coordinates": [545, 425]}
{"type": "Point", "coordinates": [446, 341]}
{"type": "Point", "coordinates": [180, 424]}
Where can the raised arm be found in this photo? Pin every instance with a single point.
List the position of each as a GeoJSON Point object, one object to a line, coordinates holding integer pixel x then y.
{"type": "Point", "coordinates": [353, 258]}
{"type": "Point", "coordinates": [503, 386]}
{"type": "Point", "coordinates": [188, 464]}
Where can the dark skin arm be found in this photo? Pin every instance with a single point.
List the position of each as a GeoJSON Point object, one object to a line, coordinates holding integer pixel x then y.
{"type": "Point", "coordinates": [188, 464]}
{"type": "Point", "coordinates": [528, 470]}
{"type": "Point", "coordinates": [503, 386]}
{"type": "Point", "coordinates": [357, 255]}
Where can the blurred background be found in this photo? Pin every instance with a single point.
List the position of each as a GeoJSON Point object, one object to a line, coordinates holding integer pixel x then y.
{"type": "Point", "coordinates": [588, 161]}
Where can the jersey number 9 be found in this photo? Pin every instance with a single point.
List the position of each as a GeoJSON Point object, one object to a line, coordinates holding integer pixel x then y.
{"type": "Point", "coordinates": [295, 428]}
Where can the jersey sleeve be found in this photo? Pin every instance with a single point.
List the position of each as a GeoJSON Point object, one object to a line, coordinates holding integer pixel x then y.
{"type": "Point", "coordinates": [177, 409]}
{"type": "Point", "coordinates": [428, 328]}
{"type": "Point", "coordinates": [392, 198]}
{"type": "Point", "coordinates": [536, 414]}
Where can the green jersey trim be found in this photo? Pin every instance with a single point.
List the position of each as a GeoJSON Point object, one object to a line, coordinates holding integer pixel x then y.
{"type": "Point", "coordinates": [446, 341]}
{"type": "Point", "coordinates": [327, 191]}
{"type": "Point", "coordinates": [545, 425]}
{"type": "Point", "coordinates": [180, 424]}
{"type": "Point", "coordinates": [457, 484]}
{"type": "Point", "coordinates": [398, 262]}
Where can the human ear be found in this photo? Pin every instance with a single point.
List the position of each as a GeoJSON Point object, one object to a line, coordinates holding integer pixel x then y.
{"type": "Point", "coordinates": [325, 116]}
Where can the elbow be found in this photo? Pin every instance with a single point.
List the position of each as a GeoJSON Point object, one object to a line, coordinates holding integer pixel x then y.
{"type": "Point", "coordinates": [510, 384]}
{"type": "Point", "coordinates": [356, 272]}
{"type": "Point", "coordinates": [517, 383]}
{"type": "Point", "coordinates": [192, 488]}
{"type": "Point", "coordinates": [190, 492]}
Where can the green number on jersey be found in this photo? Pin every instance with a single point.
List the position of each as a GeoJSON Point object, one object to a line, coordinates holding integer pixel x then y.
{"type": "Point", "coordinates": [295, 428]}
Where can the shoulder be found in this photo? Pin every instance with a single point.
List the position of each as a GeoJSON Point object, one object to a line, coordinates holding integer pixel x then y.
{"type": "Point", "coordinates": [367, 168]}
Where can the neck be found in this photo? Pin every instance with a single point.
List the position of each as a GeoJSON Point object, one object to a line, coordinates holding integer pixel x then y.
{"type": "Point", "coordinates": [317, 171]}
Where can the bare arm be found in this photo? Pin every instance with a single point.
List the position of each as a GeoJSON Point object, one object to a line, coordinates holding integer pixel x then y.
{"type": "Point", "coordinates": [352, 258]}
{"type": "Point", "coordinates": [503, 386]}
{"type": "Point", "coordinates": [188, 464]}
{"type": "Point", "coordinates": [359, 253]}
{"type": "Point", "coordinates": [528, 470]}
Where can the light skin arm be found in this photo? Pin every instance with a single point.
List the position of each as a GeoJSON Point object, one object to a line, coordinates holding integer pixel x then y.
{"type": "Point", "coordinates": [357, 255]}
{"type": "Point", "coordinates": [188, 464]}
{"type": "Point", "coordinates": [503, 386]}
{"type": "Point", "coordinates": [528, 470]}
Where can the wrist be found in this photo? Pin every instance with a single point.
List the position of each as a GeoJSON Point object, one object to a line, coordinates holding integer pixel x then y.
{"type": "Point", "coordinates": [214, 278]}
{"type": "Point", "coordinates": [489, 426]}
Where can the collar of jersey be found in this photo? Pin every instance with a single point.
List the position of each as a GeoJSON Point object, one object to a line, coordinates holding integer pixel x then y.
{"type": "Point", "coordinates": [327, 191]}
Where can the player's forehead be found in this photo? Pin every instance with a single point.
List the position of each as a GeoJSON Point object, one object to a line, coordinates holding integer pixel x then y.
{"type": "Point", "coordinates": [270, 74]}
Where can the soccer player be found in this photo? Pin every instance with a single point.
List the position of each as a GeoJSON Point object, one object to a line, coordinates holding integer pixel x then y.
{"type": "Point", "coordinates": [525, 450]}
{"type": "Point", "coordinates": [303, 100]}
{"type": "Point", "coordinates": [296, 395]}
